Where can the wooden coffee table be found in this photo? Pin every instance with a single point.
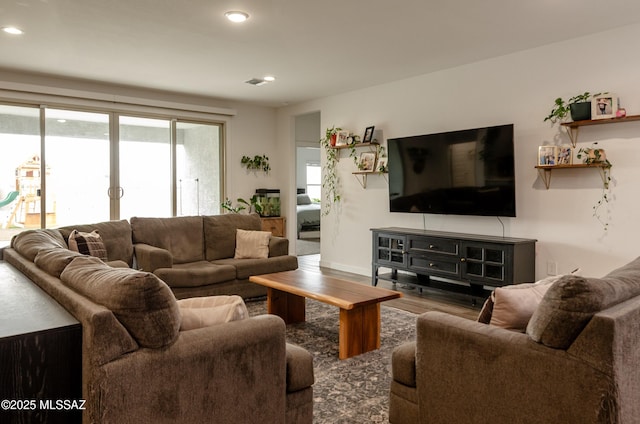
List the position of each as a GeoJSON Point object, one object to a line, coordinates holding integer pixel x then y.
{"type": "Point", "coordinates": [359, 305]}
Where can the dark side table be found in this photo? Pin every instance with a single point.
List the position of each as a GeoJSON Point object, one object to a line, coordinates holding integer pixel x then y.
{"type": "Point", "coordinates": [40, 355]}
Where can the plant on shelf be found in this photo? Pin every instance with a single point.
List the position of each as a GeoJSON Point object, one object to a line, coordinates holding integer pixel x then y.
{"type": "Point", "coordinates": [330, 179]}
{"type": "Point", "coordinates": [578, 106]}
{"type": "Point", "coordinates": [253, 203]}
{"type": "Point", "coordinates": [592, 155]}
{"type": "Point", "coordinates": [257, 163]}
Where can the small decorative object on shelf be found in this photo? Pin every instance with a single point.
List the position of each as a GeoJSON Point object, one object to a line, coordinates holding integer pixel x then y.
{"type": "Point", "coordinates": [342, 138]}
{"type": "Point", "coordinates": [547, 155]}
{"type": "Point", "coordinates": [257, 163]}
{"type": "Point", "coordinates": [383, 164]}
{"type": "Point", "coordinates": [565, 155]}
{"type": "Point", "coordinates": [367, 162]}
{"type": "Point", "coordinates": [579, 107]}
{"type": "Point", "coordinates": [621, 113]}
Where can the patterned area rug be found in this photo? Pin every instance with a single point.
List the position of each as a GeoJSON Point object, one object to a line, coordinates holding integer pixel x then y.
{"type": "Point", "coordinates": [354, 390]}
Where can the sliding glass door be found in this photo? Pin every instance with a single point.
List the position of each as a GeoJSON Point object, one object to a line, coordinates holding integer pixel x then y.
{"type": "Point", "coordinates": [77, 167]}
{"type": "Point", "coordinates": [145, 167]}
{"type": "Point", "coordinates": [61, 167]}
{"type": "Point", "coordinates": [199, 177]}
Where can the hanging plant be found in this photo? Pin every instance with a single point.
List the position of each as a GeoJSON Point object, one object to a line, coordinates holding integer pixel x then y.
{"type": "Point", "coordinates": [592, 155]}
{"type": "Point", "coordinates": [330, 179]}
{"type": "Point", "coordinates": [257, 163]}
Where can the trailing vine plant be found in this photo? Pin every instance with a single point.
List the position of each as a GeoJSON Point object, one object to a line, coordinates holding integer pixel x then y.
{"type": "Point", "coordinates": [330, 178]}
{"type": "Point", "coordinates": [593, 155]}
{"type": "Point", "coordinates": [257, 163]}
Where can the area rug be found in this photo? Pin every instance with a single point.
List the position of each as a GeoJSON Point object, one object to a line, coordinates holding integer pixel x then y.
{"type": "Point", "coordinates": [354, 390]}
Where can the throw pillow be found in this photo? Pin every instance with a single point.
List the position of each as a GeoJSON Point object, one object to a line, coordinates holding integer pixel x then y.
{"type": "Point", "coordinates": [88, 244]}
{"type": "Point", "coordinates": [252, 244]}
{"type": "Point", "coordinates": [303, 199]}
{"type": "Point", "coordinates": [511, 306]}
{"type": "Point", "coordinates": [198, 312]}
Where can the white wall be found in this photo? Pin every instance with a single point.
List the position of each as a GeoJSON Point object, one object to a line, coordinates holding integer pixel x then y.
{"type": "Point", "coordinates": [519, 89]}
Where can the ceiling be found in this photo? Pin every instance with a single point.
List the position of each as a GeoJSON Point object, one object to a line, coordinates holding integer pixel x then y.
{"type": "Point", "coordinates": [314, 48]}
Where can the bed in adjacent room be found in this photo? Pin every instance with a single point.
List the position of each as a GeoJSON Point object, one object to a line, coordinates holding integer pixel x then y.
{"type": "Point", "coordinates": [308, 214]}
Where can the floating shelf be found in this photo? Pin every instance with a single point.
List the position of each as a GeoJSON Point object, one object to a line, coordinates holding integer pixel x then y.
{"type": "Point", "coordinates": [353, 145]}
{"type": "Point", "coordinates": [545, 170]}
{"type": "Point", "coordinates": [361, 176]}
{"type": "Point", "coordinates": [573, 127]}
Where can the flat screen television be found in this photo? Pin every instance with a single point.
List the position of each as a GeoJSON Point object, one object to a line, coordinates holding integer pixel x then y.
{"type": "Point", "coordinates": [468, 172]}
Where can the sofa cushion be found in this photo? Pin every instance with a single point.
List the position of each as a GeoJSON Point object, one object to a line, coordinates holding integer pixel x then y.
{"type": "Point", "coordinates": [29, 243]}
{"type": "Point", "coordinates": [252, 244]}
{"type": "Point", "coordinates": [245, 268]}
{"type": "Point", "coordinates": [88, 244]}
{"type": "Point", "coordinates": [196, 274]}
{"type": "Point", "coordinates": [198, 312]}
{"type": "Point", "coordinates": [570, 303]}
{"type": "Point", "coordinates": [182, 236]}
{"type": "Point", "coordinates": [403, 364]}
{"type": "Point", "coordinates": [142, 302]}
{"type": "Point", "coordinates": [220, 233]}
{"type": "Point", "coordinates": [116, 236]}
{"type": "Point", "coordinates": [54, 261]}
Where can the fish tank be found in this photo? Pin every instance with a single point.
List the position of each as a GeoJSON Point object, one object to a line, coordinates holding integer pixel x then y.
{"type": "Point", "coordinates": [268, 201]}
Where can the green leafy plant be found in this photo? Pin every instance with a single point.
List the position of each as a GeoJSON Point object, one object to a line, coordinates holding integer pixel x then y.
{"type": "Point", "coordinates": [330, 178]}
{"type": "Point", "coordinates": [562, 108]}
{"type": "Point", "coordinates": [252, 204]}
{"type": "Point", "coordinates": [257, 163]}
{"type": "Point", "coordinates": [592, 155]}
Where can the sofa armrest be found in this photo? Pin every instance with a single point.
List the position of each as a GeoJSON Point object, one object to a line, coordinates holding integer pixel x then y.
{"type": "Point", "coordinates": [469, 369]}
{"type": "Point", "coordinates": [150, 258]}
{"type": "Point", "coordinates": [233, 372]}
{"type": "Point", "coordinates": [278, 246]}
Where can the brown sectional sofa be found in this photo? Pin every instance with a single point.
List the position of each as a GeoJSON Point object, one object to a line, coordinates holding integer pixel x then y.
{"type": "Point", "coordinates": [577, 362]}
{"type": "Point", "coordinates": [195, 255]}
{"type": "Point", "coordinates": [137, 366]}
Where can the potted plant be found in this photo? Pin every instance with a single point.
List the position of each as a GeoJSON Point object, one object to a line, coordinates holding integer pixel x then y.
{"type": "Point", "coordinates": [330, 180]}
{"type": "Point", "coordinates": [256, 163]}
{"type": "Point", "coordinates": [254, 203]}
{"type": "Point", "coordinates": [579, 107]}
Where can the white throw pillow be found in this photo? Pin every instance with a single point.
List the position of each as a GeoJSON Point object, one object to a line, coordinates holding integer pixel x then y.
{"type": "Point", "coordinates": [198, 312]}
{"type": "Point", "coordinates": [252, 244]}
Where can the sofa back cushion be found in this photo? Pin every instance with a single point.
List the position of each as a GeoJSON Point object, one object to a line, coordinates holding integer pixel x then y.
{"type": "Point", "coordinates": [29, 243]}
{"type": "Point", "coordinates": [220, 233]}
{"type": "Point", "coordinates": [54, 261]}
{"type": "Point", "coordinates": [182, 236]}
{"type": "Point", "coordinates": [142, 302]}
{"type": "Point", "coordinates": [116, 236]}
{"type": "Point", "coordinates": [571, 302]}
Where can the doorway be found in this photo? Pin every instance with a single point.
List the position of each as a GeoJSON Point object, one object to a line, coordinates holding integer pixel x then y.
{"type": "Point", "coordinates": [308, 183]}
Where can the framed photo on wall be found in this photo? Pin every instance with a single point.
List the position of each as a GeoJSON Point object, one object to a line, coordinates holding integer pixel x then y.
{"type": "Point", "coordinates": [367, 162]}
{"type": "Point", "coordinates": [368, 135]}
{"type": "Point", "coordinates": [547, 155]}
{"type": "Point", "coordinates": [604, 106]}
{"type": "Point", "coordinates": [342, 138]}
{"type": "Point", "coordinates": [565, 155]}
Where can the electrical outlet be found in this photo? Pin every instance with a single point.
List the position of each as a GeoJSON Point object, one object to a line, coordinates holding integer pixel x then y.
{"type": "Point", "coordinates": [552, 268]}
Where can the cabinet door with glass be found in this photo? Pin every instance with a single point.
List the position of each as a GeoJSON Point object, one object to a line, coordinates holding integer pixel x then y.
{"type": "Point", "coordinates": [390, 250]}
{"type": "Point", "coordinates": [485, 263]}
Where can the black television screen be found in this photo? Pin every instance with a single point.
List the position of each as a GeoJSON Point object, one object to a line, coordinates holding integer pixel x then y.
{"type": "Point", "coordinates": [468, 172]}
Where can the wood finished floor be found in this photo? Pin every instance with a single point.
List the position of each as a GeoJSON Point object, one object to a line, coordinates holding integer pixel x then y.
{"type": "Point", "coordinates": [412, 300]}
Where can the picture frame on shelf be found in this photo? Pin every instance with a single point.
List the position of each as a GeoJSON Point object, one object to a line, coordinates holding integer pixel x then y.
{"type": "Point", "coordinates": [342, 138]}
{"type": "Point", "coordinates": [382, 165]}
{"type": "Point", "coordinates": [367, 162]}
{"type": "Point", "coordinates": [547, 155]}
{"type": "Point", "coordinates": [368, 134]}
{"type": "Point", "coordinates": [565, 155]}
{"type": "Point", "coordinates": [604, 106]}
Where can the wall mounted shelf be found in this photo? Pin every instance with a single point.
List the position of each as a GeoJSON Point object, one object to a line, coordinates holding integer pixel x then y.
{"type": "Point", "coordinates": [545, 170]}
{"type": "Point", "coordinates": [361, 176]}
{"type": "Point", "coordinates": [573, 127]}
{"type": "Point", "coordinates": [356, 145]}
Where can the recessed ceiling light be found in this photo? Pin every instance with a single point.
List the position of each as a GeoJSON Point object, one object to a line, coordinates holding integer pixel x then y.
{"type": "Point", "coordinates": [269, 78]}
{"type": "Point", "coordinates": [13, 30]}
{"type": "Point", "coordinates": [237, 16]}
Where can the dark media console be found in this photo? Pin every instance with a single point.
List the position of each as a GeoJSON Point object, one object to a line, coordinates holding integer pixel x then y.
{"type": "Point", "coordinates": [469, 261]}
